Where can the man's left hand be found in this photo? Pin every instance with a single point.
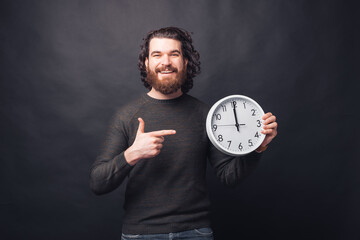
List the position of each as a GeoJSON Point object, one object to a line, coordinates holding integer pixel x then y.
{"type": "Point", "coordinates": [269, 128]}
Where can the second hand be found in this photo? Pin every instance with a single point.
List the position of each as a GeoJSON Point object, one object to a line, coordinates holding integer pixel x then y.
{"type": "Point", "coordinates": [241, 124]}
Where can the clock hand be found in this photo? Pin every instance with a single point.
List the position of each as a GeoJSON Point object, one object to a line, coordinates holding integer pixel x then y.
{"type": "Point", "coordinates": [236, 121]}
{"type": "Point", "coordinates": [222, 125]}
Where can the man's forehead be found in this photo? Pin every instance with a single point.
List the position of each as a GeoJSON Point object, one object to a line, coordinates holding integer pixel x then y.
{"type": "Point", "coordinates": [164, 44]}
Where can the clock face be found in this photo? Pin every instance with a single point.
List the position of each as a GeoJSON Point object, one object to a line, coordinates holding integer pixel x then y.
{"type": "Point", "coordinates": [234, 125]}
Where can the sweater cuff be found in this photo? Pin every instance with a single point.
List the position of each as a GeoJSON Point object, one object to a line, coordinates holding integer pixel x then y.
{"type": "Point", "coordinates": [121, 164]}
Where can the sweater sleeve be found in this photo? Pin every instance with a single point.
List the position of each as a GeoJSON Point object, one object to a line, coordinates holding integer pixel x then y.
{"type": "Point", "coordinates": [231, 170]}
{"type": "Point", "coordinates": [110, 168]}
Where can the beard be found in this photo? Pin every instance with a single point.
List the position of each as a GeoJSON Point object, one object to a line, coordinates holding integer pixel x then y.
{"type": "Point", "coordinates": [166, 85]}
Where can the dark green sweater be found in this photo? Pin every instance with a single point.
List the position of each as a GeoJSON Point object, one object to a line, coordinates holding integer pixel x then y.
{"type": "Point", "coordinates": [167, 193]}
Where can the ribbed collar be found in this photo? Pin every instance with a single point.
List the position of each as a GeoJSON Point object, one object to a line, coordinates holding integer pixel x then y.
{"type": "Point", "coordinates": [163, 101]}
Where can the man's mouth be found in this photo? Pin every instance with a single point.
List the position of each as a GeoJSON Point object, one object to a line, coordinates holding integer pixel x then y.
{"type": "Point", "coordinates": [166, 72]}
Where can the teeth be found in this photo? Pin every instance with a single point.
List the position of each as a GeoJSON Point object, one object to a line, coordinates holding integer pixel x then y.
{"type": "Point", "coordinates": [166, 72]}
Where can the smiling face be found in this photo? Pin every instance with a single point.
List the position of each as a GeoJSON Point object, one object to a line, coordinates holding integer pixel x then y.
{"type": "Point", "coordinates": [166, 66]}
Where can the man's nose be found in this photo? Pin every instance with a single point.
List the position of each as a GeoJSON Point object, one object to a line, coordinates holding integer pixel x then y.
{"type": "Point", "coordinates": [166, 60]}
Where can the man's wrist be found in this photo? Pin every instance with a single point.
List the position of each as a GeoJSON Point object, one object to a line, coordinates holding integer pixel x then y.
{"type": "Point", "coordinates": [130, 157]}
{"type": "Point", "coordinates": [261, 149]}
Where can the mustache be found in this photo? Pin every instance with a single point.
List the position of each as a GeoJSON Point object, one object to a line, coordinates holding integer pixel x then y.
{"type": "Point", "coordinates": [166, 68]}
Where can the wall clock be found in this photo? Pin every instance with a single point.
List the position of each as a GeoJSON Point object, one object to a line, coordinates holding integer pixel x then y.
{"type": "Point", "coordinates": [234, 125]}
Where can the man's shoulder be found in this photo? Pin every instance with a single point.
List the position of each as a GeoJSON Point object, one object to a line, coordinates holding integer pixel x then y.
{"type": "Point", "coordinates": [198, 103]}
{"type": "Point", "coordinates": [127, 110]}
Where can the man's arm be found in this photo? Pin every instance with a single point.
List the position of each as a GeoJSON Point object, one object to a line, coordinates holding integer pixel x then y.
{"type": "Point", "coordinates": [231, 170]}
{"type": "Point", "coordinates": [111, 167]}
{"type": "Point", "coordinates": [117, 159]}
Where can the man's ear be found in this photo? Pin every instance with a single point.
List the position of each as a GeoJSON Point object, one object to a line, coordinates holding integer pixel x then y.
{"type": "Point", "coordinates": [186, 61]}
{"type": "Point", "coordinates": [147, 63]}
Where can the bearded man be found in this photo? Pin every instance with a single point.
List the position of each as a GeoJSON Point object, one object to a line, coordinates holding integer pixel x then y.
{"type": "Point", "coordinates": [166, 194]}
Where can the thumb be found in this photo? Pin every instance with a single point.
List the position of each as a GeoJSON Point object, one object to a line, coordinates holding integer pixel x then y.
{"type": "Point", "coordinates": [141, 126]}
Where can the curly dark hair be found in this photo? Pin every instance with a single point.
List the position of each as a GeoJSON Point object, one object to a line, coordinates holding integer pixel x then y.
{"type": "Point", "coordinates": [189, 52]}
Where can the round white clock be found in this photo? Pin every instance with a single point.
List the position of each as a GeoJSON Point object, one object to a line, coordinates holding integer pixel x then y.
{"type": "Point", "coordinates": [234, 125]}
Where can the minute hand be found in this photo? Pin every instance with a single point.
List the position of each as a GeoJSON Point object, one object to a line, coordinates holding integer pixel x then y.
{"type": "Point", "coordinates": [236, 121]}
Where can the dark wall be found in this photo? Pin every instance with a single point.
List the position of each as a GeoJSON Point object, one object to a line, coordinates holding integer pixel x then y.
{"type": "Point", "coordinates": [66, 66]}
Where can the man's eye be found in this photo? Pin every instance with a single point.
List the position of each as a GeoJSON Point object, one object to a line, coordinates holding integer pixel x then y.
{"type": "Point", "coordinates": [175, 54]}
{"type": "Point", "coordinates": [156, 55]}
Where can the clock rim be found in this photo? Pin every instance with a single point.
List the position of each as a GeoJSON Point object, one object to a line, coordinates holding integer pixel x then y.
{"type": "Point", "coordinates": [211, 135]}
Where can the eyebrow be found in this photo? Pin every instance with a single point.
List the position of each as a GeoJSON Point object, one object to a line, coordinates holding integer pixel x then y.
{"type": "Point", "coordinates": [172, 51]}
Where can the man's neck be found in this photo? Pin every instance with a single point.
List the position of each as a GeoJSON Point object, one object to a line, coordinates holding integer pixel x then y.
{"type": "Point", "coordinates": [158, 95]}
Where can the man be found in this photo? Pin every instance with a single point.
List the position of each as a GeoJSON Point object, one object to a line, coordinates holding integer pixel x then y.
{"type": "Point", "coordinates": [159, 142]}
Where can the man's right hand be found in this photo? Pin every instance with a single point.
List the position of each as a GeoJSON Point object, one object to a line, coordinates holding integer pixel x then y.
{"type": "Point", "coordinates": [146, 145]}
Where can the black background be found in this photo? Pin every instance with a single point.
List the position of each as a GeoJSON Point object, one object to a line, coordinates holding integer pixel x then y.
{"type": "Point", "coordinates": [67, 65]}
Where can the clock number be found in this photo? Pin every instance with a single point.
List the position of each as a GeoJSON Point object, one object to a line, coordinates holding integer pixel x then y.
{"type": "Point", "coordinates": [220, 138]}
{"type": "Point", "coordinates": [214, 127]}
{"type": "Point", "coordinates": [259, 123]}
{"type": "Point", "coordinates": [250, 143]}
{"type": "Point", "coordinates": [218, 116]}
{"type": "Point", "coordinates": [233, 104]}
{"type": "Point", "coordinates": [223, 108]}
{"type": "Point", "coordinates": [240, 147]}
{"type": "Point", "coordinates": [253, 110]}
{"type": "Point", "coordinates": [229, 143]}
{"type": "Point", "coordinates": [256, 134]}
{"type": "Point", "coordinates": [244, 105]}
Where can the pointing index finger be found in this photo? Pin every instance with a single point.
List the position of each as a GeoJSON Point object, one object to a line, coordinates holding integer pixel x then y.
{"type": "Point", "coordinates": [163, 133]}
